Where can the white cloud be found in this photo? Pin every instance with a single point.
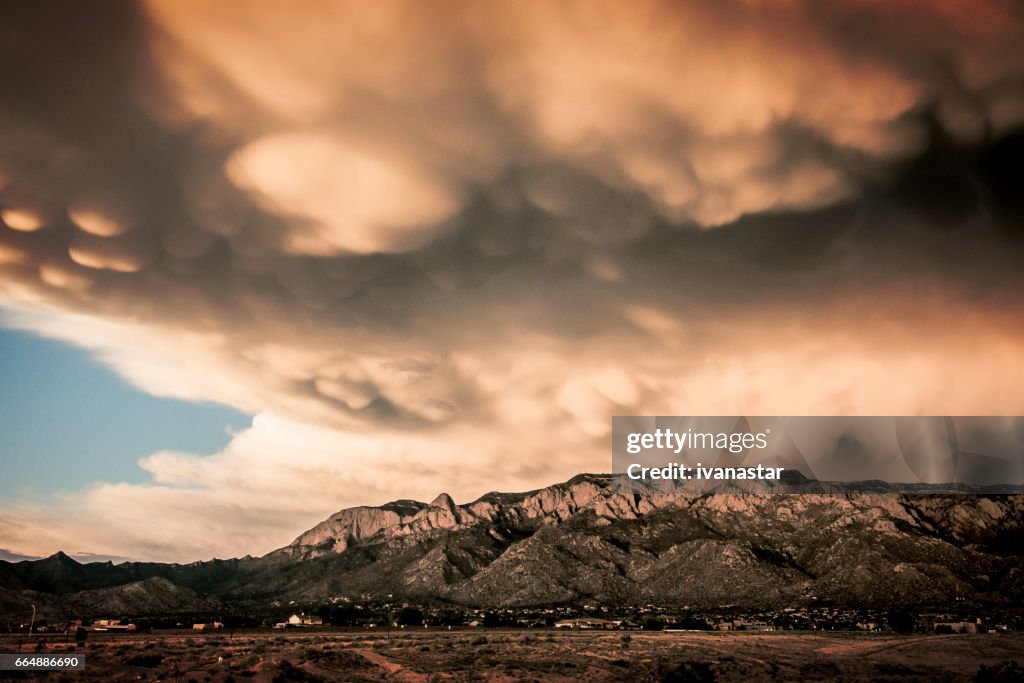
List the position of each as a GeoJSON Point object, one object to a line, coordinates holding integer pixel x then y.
{"type": "Point", "coordinates": [547, 417]}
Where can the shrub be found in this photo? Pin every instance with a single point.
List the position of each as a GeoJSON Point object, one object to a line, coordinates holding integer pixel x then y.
{"type": "Point", "coordinates": [148, 660]}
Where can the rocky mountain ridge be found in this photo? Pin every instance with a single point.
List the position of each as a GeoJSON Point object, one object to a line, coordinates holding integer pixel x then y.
{"type": "Point", "coordinates": [406, 518]}
{"type": "Point", "coordinates": [590, 540]}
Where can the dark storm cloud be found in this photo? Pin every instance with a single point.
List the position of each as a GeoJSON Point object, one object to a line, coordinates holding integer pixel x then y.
{"type": "Point", "coordinates": [514, 219]}
{"type": "Point", "coordinates": [537, 241]}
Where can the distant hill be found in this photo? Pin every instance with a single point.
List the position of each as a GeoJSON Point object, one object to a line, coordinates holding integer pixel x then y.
{"type": "Point", "coordinates": [587, 541]}
{"type": "Point", "coordinates": [14, 557]}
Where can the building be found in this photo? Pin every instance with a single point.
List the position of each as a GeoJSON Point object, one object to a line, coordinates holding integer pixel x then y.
{"type": "Point", "coordinates": [207, 627]}
{"type": "Point", "coordinates": [586, 623]}
{"type": "Point", "coordinates": [958, 627]}
{"type": "Point", "coordinates": [304, 620]}
{"type": "Point", "coordinates": [111, 625]}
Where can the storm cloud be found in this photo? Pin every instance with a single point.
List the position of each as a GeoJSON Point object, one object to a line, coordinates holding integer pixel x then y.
{"type": "Point", "coordinates": [457, 237]}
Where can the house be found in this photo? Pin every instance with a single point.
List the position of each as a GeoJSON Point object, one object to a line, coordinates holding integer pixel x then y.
{"type": "Point", "coordinates": [111, 625]}
{"type": "Point", "coordinates": [207, 627]}
{"type": "Point", "coordinates": [304, 620]}
{"type": "Point", "coordinates": [958, 627]}
{"type": "Point", "coordinates": [585, 623]}
{"type": "Point", "coordinates": [748, 625]}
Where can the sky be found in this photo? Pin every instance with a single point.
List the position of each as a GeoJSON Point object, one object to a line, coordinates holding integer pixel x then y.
{"type": "Point", "coordinates": [67, 420]}
{"type": "Point", "coordinates": [326, 254]}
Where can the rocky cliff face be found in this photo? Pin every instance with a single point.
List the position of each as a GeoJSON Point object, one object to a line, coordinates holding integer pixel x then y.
{"type": "Point", "coordinates": [406, 518]}
{"type": "Point", "coordinates": [585, 539]}
{"type": "Point", "coordinates": [588, 541]}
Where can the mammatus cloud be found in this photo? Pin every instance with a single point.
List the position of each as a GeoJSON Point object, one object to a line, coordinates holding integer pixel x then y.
{"type": "Point", "coordinates": [709, 113]}
{"type": "Point", "coordinates": [438, 250]}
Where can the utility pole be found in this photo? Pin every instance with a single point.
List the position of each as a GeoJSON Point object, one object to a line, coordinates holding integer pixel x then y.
{"type": "Point", "coordinates": [33, 622]}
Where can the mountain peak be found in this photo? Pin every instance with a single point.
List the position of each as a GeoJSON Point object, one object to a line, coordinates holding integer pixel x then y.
{"type": "Point", "coordinates": [443, 500]}
{"type": "Point", "coordinates": [63, 558]}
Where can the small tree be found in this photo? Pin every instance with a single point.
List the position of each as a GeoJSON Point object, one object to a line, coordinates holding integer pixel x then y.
{"type": "Point", "coordinates": [409, 616]}
{"type": "Point", "coordinates": [652, 624]}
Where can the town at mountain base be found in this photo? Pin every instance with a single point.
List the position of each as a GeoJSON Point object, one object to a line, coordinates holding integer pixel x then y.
{"type": "Point", "coordinates": [585, 542]}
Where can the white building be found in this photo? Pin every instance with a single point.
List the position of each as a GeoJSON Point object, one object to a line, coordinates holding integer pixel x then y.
{"type": "Point", "coordinates": [304, 620]}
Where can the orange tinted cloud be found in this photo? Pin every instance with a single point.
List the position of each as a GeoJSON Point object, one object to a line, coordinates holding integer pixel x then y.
{"type": "Point", "coordinates": [687, 104]}
{"type": "Point", "coordinates": [454, 239]}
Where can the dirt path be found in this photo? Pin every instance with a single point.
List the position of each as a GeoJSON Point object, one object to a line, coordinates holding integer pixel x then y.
{"type": "Point", "coordinates": [873, 647]}
{"type": "Point", "coordinates": [395, 670]}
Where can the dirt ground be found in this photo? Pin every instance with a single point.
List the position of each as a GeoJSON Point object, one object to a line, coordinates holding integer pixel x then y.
{"type": "Point", "coordinates": [531, 655]}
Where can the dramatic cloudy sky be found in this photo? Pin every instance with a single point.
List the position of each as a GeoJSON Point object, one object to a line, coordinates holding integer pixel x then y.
{"type": "Point", "coordinates": [345, 252]}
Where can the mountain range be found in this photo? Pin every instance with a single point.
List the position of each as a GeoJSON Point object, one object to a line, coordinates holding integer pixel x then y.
{"type": "Point", "coordinates": [585, 541]}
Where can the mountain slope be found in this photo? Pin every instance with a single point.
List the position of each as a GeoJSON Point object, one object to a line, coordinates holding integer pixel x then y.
{"type": "Point", "coordinates": [587, 540]}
